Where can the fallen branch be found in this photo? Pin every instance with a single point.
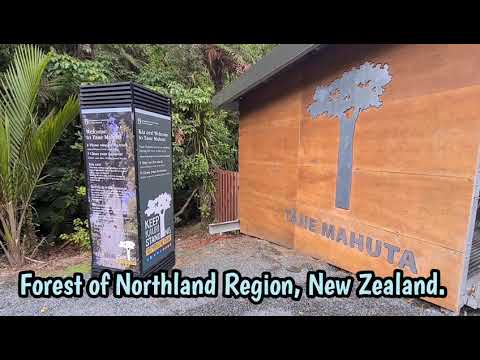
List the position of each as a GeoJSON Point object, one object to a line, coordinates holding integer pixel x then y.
{"type": "Point", "coordinates": [180, 212]}
{"type": "Point", "coordinates": [32, 254]}
{"type": "Point", "coordinates": [35, 261]}
{"type": "Point", "coordinates": [66, 243]}
{"type": "Point", "coordinates": [42, 266]}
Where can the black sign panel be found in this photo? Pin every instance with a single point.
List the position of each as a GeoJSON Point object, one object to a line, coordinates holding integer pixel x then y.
{"type": "Point", "coordinates": [154, 166]}
{"type": "Point", "coordinates": [111, 178]}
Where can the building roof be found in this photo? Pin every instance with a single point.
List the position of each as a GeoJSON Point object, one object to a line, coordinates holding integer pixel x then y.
{"type": "Point", "coordinates": [278, 59]}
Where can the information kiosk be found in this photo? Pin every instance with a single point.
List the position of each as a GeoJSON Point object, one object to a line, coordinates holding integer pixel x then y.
{"type": "Point", "coordinates": [127, 133]}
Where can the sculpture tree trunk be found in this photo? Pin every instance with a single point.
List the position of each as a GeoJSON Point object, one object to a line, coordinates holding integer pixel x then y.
{"type": "Point", "coordinates": [345, 160]}
{"type": "Point", "coordinates": [162, 223]}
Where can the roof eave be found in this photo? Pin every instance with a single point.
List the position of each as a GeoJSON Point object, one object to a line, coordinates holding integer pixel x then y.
{"type": "Point", "coordinates": [278, 59]}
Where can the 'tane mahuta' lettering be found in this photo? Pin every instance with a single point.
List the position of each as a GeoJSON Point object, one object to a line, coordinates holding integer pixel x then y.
{"type": "Point", "coordinates": [401, 258]}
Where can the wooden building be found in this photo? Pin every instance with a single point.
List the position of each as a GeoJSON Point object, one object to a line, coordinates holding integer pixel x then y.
{"type": "Point", "coordinates": [365, 156]}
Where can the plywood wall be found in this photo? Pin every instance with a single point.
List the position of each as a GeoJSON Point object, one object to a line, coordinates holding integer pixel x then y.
{"type": "Point", "coordinates": [269, 138]}
{"type": "Point", "coordinates": [414, 159]}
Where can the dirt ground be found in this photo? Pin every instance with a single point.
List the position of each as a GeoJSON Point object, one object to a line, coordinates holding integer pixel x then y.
{"type": "Point", "coordinates": [196, 253]}
{"type": "Point", "coordinates": [67, 260]}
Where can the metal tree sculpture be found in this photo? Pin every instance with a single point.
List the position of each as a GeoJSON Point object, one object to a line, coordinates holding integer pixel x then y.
{"type": "Point", "coordinates": [356, 91]}
{"type": "Point", "coordinates": [158, 206]}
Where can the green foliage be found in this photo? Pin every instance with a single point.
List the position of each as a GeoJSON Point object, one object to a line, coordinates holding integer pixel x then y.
{"type": "Point", "coordinates": [83, 267]}
{"type": "Point", "coordinates": [173, 63]}
{"type": "Point", "coordinates": [251, 53]}
{"type": "Point", "coordinates": [203, 142]}
{"type": "Point", "coordinates": [204, 138]}
{"type": "Point", "coordinates": [204, 129]}
{"type": "Point", "coordinates": [123, 61]}
{"type": "Point", "coordinates": [206, 198]}
{"type": "Point", "coordinates": [77, 71]}
{"type": "Point", "coordinates": [26, 141]}
{"type": "Point", "coordinates": [6, 55]}
{"type": "Point", "coordinates": [189, 169]}
{"type": "Point", "coordinates": [57, 203]}
{"type": "Point", "coordinates": [80, 235]}
{"type": "Point", "coordinates": [241, 56]}
{"type": "Point", "coordinates": [81, 191]}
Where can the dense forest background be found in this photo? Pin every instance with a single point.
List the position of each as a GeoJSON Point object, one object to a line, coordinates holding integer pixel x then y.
{"type": "Point", "coordinates": [204, 138]}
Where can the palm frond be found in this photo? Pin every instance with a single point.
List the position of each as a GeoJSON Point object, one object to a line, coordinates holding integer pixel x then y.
{"type": "Point", "coordinates": [42, 141]}
{"type": "Point", "coordinates": [4, 153]}
{"type": "Point", "coordinates": [18, 99]}
{"type": "Point", "coordinates": [25, 143]}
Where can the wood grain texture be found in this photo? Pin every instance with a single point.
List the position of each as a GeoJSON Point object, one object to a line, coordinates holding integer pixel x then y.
{"type": "Point", "coordinates": [268, 148]}
{"type": "Point", "coordinates": [414, 159]}
{"type": "Point", "coordinates": [271, 180]}
{"type": "Point", "coordinates": [226, 195]}
{"type": "Point", "coordinates": [423, 207]}
{"type": "Point", "coordinates": [427, 255]}
{"type": "Point", "coordinates": [280, 110]}
{"type": "Point", "coordinates": [416, 135]}
{"type": "Point", "coordinates": [417, 70]}
{"type": "Point", "coordinates": [262, 216]}
{"type": "Point", "coordinates": [269, 145]}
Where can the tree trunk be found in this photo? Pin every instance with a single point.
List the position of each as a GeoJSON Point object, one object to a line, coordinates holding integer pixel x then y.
{"type": "Point", "coordinates": [205, 203]}
{"type": "Point", "coordinates": [344, 164]}
{"type": "Point", "coordinates": [216, 75]}
{"type": "Point", "coordinates": [15, 255]}
{"type": "Point", "coordinates": [31, 238]}
{"type": "Point", "coordinates": [213, 64]}
{"type": "Point", "coordinates": [11, 229]}
{"type": "Point", "coordinates": [86, 51]}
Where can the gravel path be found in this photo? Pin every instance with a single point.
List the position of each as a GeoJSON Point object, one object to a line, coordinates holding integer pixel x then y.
{"type": "Point", "coordinates": [247, 255]}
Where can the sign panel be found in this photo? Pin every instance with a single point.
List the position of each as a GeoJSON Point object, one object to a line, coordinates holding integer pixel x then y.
{"type": "Point", "coordinates": [154, 164]}
{"type": "Point", "coordinates": [110, 164]}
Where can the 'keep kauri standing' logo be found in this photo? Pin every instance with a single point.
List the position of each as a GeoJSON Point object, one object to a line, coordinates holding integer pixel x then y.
{"type": "Point", "coordinates": [159, 206]}
{"type": "Point", "coordinates": [345, 98]}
